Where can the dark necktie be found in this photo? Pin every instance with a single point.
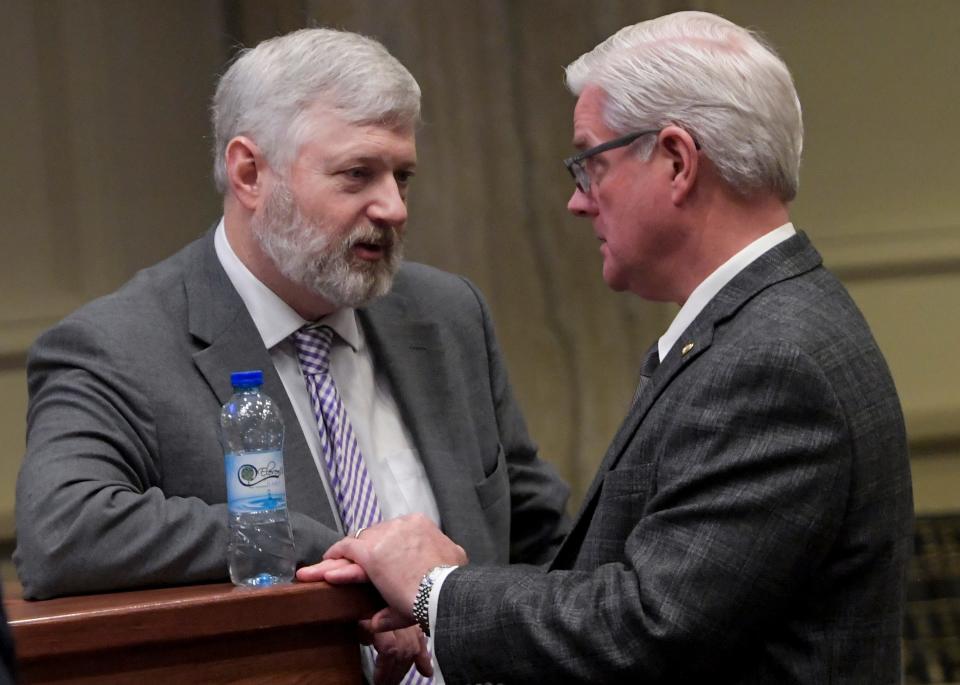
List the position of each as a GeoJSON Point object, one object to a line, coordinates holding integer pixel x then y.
{"type": "Point", "coordinates": [651, 361]}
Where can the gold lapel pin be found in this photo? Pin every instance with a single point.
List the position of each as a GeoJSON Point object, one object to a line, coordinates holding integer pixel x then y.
{"type": "Point", "coordinates": [686, 348]}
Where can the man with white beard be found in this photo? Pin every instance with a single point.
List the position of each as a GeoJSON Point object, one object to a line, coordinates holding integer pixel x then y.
{"type": "Point", "coordinates": [122, 484]}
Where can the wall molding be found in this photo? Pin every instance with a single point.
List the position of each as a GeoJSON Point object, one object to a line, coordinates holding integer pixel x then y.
{"type": "Point", "coordinates": [882, 255]}
{"type": "Point", "coordinates": [19, 329]}
{"type": "Point", "coordinates": [933, 431]}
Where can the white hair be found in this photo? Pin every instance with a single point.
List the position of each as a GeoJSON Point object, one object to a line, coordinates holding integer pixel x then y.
{"type": "Point", "coordinates": [268, 90]}
{"type": "Point", "coordinates": [718, 81]}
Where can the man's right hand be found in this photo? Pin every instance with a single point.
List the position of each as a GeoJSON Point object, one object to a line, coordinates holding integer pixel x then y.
{"type": "Point", "coordinates": [394, 556]}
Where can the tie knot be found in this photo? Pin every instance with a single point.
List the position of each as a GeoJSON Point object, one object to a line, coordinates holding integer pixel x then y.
{"type": "Point", "coordinates": [313, 349]}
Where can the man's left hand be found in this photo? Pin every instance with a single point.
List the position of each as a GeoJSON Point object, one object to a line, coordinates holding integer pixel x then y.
{"type": "Point", "coordinates": [397, 650]}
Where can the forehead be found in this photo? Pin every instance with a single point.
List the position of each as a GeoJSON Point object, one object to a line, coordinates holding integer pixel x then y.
{"type": "Point", "coordinates": [329, 134]}
{"type": "Point", "coordinates": [589, 128]}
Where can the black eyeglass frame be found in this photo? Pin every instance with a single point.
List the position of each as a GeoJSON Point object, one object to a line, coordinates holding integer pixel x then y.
{"type": "Point", "coordinates": [579, 172]}
{"type": "Point", "coordinates": [575, 164]}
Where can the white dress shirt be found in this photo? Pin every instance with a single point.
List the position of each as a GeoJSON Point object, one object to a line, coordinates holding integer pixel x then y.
{"type": "Point", "coordinates": [391, 458]}
{"type": "Point", "coordinates": [698, 299]}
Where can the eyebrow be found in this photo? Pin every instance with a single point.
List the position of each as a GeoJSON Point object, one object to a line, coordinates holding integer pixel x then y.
{"type": "Point", "coordinates": [371, 160]}
{"type": "Point", "coordinates": [583, 139]}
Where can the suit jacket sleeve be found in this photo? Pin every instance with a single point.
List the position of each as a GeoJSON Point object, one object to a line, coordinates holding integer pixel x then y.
{"type": "Point", "coordinates": [712, 532]}
{"type": "Point", "coordinates": [91, 514]}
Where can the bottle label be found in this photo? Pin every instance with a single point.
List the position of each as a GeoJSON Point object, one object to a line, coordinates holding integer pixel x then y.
{"type": "Point", "coordinates": [255, 482]}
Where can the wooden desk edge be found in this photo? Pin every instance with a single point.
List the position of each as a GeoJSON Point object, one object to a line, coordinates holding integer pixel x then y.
{"type": "Point", "coordinates": [124, 619]}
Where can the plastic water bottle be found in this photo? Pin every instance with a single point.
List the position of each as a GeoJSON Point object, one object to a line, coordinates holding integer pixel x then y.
{"type": "Point", "coordinates": [261, 550]}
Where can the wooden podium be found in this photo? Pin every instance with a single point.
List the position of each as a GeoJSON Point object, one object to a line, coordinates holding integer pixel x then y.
{"type": "Point", "coordinates": [299, 633]}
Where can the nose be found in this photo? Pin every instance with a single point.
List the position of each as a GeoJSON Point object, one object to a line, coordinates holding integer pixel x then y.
{"type": "Point", "coordinates": [390, 205]}
{"type": "Point", "coordinates": [581, 204]}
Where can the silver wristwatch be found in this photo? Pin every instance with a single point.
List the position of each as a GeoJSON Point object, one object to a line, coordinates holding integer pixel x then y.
{"type": "Point", "coordinates": [421, 603]}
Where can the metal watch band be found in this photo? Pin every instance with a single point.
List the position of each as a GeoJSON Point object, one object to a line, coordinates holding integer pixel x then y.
{"type": "Point", "coordinates": [421, 603]}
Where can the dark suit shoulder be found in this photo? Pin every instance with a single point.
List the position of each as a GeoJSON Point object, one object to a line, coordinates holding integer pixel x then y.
{"type": "Point", "coordinates": [150, 306]}
{"type": "Point", "coordinates": [812, 313]}
{"type": "Point", "coordinates": [431, 294]}
{"type": "Point", "coordinates": [434, 286]}
{"type": "Point", "coordinates": [811, 310]}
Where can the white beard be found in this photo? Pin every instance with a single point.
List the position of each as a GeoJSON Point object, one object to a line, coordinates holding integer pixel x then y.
{"type": "Point", "coordinates": [304, 252]}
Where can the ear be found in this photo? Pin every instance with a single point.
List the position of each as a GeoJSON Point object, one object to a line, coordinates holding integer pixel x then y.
{"type": "Point", "coordinates": [246, 165]}
{"type": "Point", "coordinates": [684, 156]}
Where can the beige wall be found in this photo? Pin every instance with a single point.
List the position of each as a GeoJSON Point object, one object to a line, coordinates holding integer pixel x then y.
{"type": "Point", "coordinates": [106, 170]}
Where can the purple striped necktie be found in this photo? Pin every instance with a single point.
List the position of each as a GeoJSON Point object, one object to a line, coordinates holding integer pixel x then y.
{"type": "Point", "coordinates": [348, 474]}
{"type": "Point", "coordinates": [349, 479]}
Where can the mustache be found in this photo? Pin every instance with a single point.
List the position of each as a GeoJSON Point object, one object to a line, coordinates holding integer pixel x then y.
{"type": "Point", "coordinates": [369, 234]}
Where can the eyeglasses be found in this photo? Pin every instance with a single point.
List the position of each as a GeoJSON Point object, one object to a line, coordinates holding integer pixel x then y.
{"type": "Point", "coordinates": [579, 171]}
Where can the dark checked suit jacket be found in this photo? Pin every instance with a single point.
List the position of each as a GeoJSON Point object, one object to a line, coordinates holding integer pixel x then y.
{"type": "Point", "coordinates": [750, 522]}
{"type": "Point", "coordinates": [123, 484]}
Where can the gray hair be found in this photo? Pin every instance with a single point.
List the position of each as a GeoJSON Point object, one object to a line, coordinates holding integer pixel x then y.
{"type": "Point", "coordinates": [268, 90]}
{"type": "Point", "coordinates": [717, 80]}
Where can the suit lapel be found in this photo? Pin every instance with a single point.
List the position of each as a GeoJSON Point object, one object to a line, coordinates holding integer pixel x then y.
{"type": "Point", "coordinates": [788, 259]}
{"type": "Point", "coordinates": [230, 342]}
{"type": "Point", "coordinates": [699, 336]}
{"type": "Point", "coordinates": [411, 354]}
{"type": "Point", "coordinates": [668, 369]}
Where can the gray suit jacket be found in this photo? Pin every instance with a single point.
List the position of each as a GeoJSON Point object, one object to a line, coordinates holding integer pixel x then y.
{"type": "Point", "coordinates": [750, 523]}
{"type": "Point", "coordinates": [122, 484]}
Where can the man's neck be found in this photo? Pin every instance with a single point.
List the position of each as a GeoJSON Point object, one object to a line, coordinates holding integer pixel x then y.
{"type": "Point", "coordinates": [724, 231]}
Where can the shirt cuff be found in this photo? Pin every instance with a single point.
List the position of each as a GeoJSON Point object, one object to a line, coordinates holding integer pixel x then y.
{"type": "Point", "coordinates": [438, 576]}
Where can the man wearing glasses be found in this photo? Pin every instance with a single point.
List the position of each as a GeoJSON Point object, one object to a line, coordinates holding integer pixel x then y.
{"type": "Point", "coordinates": [751, 520]}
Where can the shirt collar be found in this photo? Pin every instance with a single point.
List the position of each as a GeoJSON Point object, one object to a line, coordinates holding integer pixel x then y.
{"type": "Point", "coordinates": [714, 283]}
{"type": "Point", "coordinates": [344, 323]}
{"type": "Point", "coordinates": [275, 319]}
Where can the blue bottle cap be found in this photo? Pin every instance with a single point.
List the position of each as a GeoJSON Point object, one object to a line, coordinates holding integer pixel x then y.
{"type": "Point", "coordinates": [246, 379]}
